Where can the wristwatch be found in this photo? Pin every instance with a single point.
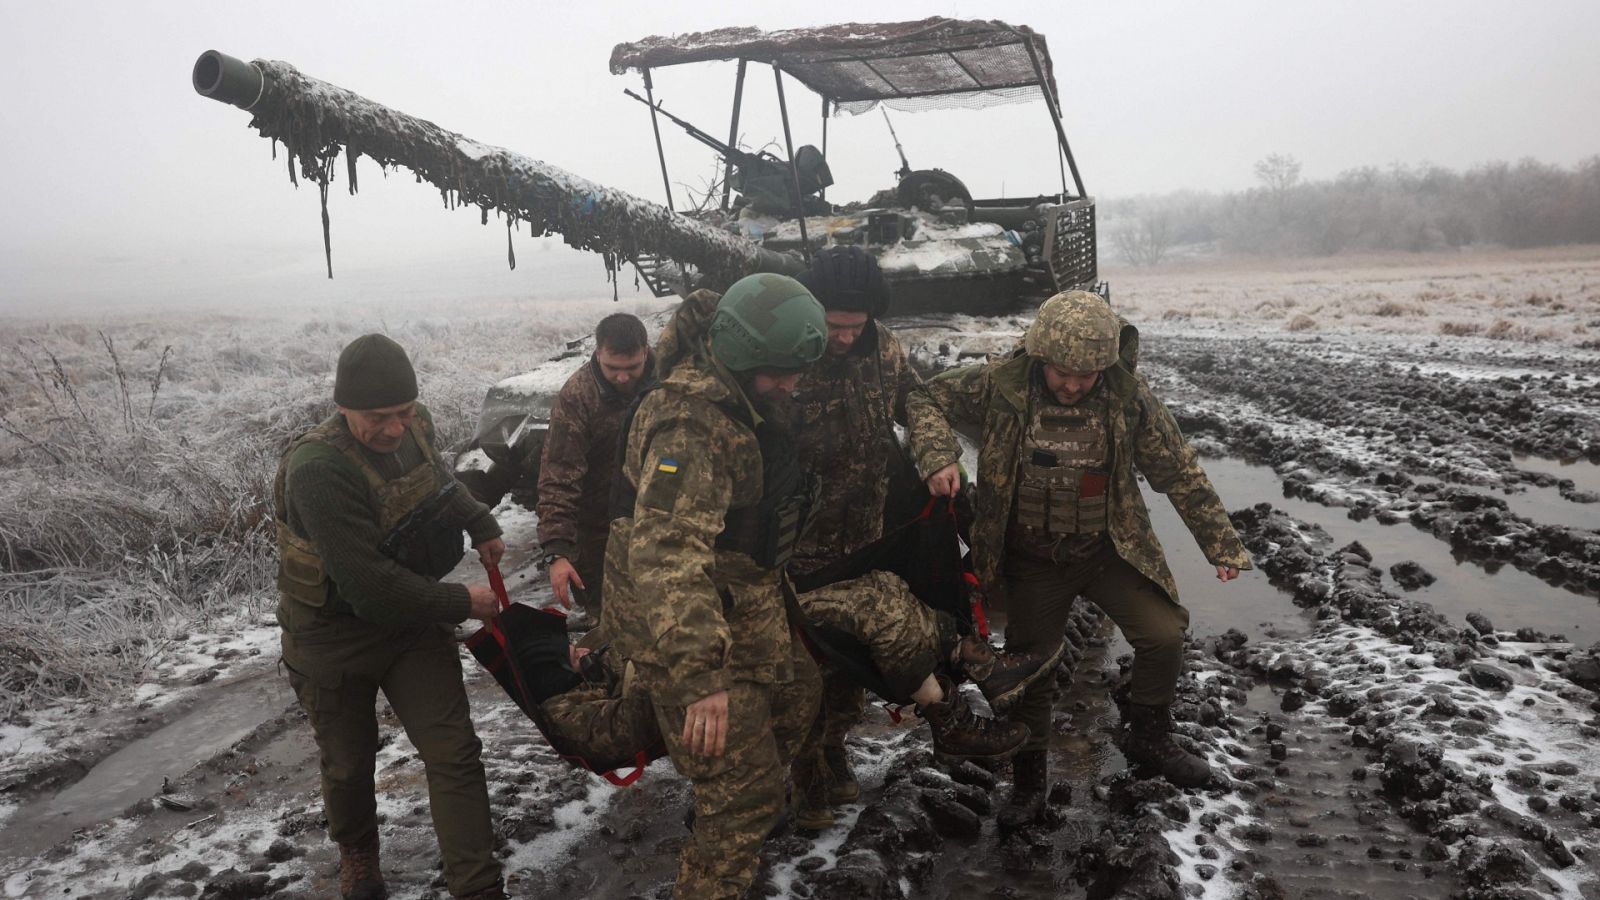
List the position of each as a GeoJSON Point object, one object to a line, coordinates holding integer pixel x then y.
{"type": "Point", "coordinates": [549, 559]}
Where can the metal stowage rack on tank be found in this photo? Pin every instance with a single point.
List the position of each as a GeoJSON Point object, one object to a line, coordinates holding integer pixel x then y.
{"type": "Point", "coordinates": [942, 249]}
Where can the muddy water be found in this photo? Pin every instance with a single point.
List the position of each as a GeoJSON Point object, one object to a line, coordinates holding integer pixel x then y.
{"type": "Point", "coordinates": [1585, 475]}
{"type": "Point", "coordinates": [134, 773]}
{"type": "Point", "coordinates": [1510, 598]}
{"type": "Point", "coordinates": [1546, 506]}
{"type": "Point", "coordinates": [1249, 603]}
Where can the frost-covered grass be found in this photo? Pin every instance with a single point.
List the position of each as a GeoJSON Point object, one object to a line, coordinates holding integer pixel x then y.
{"type": "Point", "coordinates": [138, 455]}
{"type": "Point", "coordinates": [1543, 297]}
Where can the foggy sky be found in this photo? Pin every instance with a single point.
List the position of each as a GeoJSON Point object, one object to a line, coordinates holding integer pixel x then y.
{"type": "Point", "coordinates": [123, 185]}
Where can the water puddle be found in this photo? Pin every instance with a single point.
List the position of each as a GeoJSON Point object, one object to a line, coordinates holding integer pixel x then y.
{"type": "Point", "coordinates": [135, 772]}
{"type": "Point", "coordinates": [1585, 475]}
{"type": "Point", "coordinates": [1510, 597]}
{"type": "Point", "coordinates": [1249, 603]}
{"type": "Point", "coordinates": [1546, 506]}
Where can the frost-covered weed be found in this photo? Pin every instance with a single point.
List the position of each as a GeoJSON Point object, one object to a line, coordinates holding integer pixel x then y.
{"type": "Point", "coordinates": [137, 482]}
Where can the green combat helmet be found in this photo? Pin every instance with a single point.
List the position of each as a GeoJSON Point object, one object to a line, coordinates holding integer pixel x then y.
{"type": "Point", "coordinates": [1076, 331]}
{"type": "Point", "coordinates": [768, 321]}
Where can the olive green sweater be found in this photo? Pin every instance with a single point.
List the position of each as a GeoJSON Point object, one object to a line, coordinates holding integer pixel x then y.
{"type": "Point", "coordinates": [330, 504]}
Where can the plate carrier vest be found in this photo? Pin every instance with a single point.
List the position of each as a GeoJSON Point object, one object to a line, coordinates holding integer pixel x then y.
{"type": "Point", "coordinates": [301, 573]}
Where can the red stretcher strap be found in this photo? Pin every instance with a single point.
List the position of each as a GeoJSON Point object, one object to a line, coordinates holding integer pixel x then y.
{"type": "Point", "coordinates": [977, 605]}
{"type": "Point", "coordinates": [499, 586]}
{"type": "Point", "coordinates": [927, 511]}
{"type": "Point", "coordinates": [893, 709]}
{"type": "Point", "coordinates": [640, 760]}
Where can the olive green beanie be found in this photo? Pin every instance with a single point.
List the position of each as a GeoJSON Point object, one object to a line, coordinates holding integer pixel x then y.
{"type": "Point", "coordinates": [374, 372]}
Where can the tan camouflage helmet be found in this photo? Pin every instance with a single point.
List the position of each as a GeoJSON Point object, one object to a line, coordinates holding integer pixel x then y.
{"type": "Point", "coordinates": [1075, 331]}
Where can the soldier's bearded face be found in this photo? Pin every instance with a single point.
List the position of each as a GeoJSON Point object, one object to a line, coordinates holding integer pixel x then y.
{"type": "Point", "coordinates": [380, 430]}
{"type": "Point", "coordinates": [1069, 387]}
{"type": "Point", "coordinates": [844, 329]}
{"type": "Point", "coordinates": [622, 371]}
{"type": "Point", "coordinates": [773, 387]}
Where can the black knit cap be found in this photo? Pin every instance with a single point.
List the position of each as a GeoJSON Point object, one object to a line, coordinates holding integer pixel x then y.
{"type": "Point", "coordinates": [846, 278]}
{"type": "Point", "coordinates": [374, 372]}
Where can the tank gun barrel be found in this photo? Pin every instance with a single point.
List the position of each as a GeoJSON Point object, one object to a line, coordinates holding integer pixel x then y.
{"type": "Point", "coordinates": [316, 120]}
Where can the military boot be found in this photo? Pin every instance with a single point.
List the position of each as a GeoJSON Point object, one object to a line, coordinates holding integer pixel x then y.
{"type": "Point", "coordinates": [842, 784]}
{"type": "Point", "coordinates": [812, 812]}
{"type": "Point", "coordinates": [1002, 677]}
{"type": "Point", "coordinates": [1030, 783]}
{"type": "Point", "coordinates": [1152, 751]}
{"type": "Point", "coordinates": [359, 876]}
{"type": "Point", "coordinates": [959, 733]}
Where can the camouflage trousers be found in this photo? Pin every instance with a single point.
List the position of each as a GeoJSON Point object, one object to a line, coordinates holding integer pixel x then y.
{"type": "Point", "coordinates": [900, 632]}
{"type": "Point", "coordinates": [337, 664]}
{"type": "Point", "coordinates": [1040, 597]}
{"type": "Point", "coordinates": [739, 796]}
{"type": "Point", "coordinates": [902, 636]}
{"type": "Point", "coordinates": [605, 724]}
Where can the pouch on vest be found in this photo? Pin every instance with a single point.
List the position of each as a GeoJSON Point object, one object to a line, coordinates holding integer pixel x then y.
{"type": "Point", "coordinates": [423, 541]}
{"type": "Point", "coordinates": [301, 575]}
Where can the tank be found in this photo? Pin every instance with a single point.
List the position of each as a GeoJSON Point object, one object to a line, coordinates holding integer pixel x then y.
{"type": "Point", "coordinates": [942, 250]}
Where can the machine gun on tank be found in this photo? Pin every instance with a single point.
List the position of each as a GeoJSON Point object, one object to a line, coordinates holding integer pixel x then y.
{"type": "Point", "coordinates": [762, 179]}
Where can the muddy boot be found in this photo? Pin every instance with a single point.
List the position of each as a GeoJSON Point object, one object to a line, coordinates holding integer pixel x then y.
{"type": "Point", "coordinates": [959, 734]}
{"type": "Point", "coordinates": [812, 812]}
{"type": "Point", "coordinates": [1030, 783]}
{"type": "Point", "coordinates": [359, 876]}
{"type": "Point", "coordinates": [842, 784]}
{"type": "Point", "coordinates": [494, 892]}
{"type": "Point", "coordinates": [1152, 751]}
{"type": "Point", "coordinates": [1003, 676]}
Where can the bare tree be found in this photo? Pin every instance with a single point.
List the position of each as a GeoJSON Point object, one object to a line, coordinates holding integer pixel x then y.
{"type": "Point", "coordinates": [1146, 241]}
{"type": "Point", "coordinates": [1279, 173]}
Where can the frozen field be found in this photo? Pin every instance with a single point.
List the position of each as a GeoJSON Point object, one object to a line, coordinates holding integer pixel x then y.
{"type": "Point", "coordinates": [1400, 699]}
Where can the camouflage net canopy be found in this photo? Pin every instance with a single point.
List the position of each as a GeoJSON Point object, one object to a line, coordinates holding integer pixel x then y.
{"type": "Point", "coordinates": [315, 120]}
{"type": "Point", "coordinates": [932, 63]}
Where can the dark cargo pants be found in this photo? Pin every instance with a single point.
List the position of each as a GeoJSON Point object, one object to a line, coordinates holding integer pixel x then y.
{"type": "Point", "coordinates": [739, 795]}
{"type": "Point", "coordinates": [1040, 594]}
{"type": "Point", "coordinates": [591, 568]}
{"type": "Point", "coordinates": [337, 665]}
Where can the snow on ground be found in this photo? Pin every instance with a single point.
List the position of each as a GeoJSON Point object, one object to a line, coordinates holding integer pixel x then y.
{"type": "Point", "coordinates": [1193, 299]}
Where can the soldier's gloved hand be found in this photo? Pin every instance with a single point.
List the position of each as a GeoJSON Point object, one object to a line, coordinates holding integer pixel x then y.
{"type": "Point", "coordinates": [1227, 573]}
{"type": "Point", "coordinates": [705, 725]}
{"type": "Point", "coordinates": [491, 550]}
{"type": "Point", "coordinates": [562, 572]}
{"type": "Point", "coordinates": [484, 604]}
{"type": "Point", "coordinates": [945, 482]}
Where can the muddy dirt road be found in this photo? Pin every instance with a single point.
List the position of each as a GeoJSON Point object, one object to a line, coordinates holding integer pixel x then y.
{"type": "Point", "coordinates": [1400, 701]}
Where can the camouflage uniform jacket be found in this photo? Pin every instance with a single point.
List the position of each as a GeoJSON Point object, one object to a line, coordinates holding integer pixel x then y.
{"type": "Point", "coordinates": [843, 422]}
{"type": "Point", "coordinates": [1142, 434]}
{"type": "Point", "coordinates": [693, 618]}
{"type": "Point", "coordinates": [580, 455]}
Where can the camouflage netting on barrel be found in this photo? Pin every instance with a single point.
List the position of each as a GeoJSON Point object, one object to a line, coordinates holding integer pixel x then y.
{"type": "Point", "coordinates": [315, 120]}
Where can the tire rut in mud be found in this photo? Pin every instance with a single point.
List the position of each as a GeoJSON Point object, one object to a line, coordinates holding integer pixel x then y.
{"type": "Point", "coordinates": [1349, 429]}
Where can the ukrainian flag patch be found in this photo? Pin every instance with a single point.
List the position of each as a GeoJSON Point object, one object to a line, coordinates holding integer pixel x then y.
{"type": "Point", "coordinates": [667, 466]}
